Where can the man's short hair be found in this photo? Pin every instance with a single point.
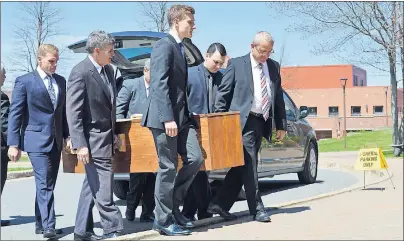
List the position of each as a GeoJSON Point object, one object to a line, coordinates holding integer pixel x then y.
{"type": "Point", "coordinates": [98, 39]}
{"type": "Point", "coordinates": [216, 47]}
{"type": "Point", "coordinates": [147, 64]}
{"type": "Point", "coordinates": [263, 35]}
{"type": "Point", "coordinates": [178, 11]}
{"type": "Point", "coordinates": [43, 49]}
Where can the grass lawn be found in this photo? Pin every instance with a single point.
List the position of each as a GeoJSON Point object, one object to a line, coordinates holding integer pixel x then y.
{"type": "Point", "coordinates": [15, 169]}
{"type": "Point", "coordinates": [358, 140]}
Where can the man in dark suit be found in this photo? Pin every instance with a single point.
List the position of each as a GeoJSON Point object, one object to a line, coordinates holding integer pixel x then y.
{"type": "Point", "coordinates": [252, 85]}
{"type": "Point", "coordinates": [132, 99]}
{"type": "Point", "coordinates": [5, 108]}
{"type": "Point", "coordinates": [37, 125]}
{"type": "Point", "coordinates": [90, 109]}
{"type": "Point", "coordinates": [168, 117]}
{"type": "Point", "coordinates": [202, 86]}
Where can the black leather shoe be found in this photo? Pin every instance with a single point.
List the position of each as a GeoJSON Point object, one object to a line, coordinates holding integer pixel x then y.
{"type": "Point", "coordinates": [5, 223]}
{"type": "Point", "coordinates": [204, 215]}
{"type": "Point", "coordinates": [262, 216]}
{"type": "Point", "coordinates": [49, 233]}
{"type": "Point", "coordinates": [171, 230]}
{"type": "Point", "coordinates": [111, 235]}
{"type": "Point", "coordinates": [215, 209]}
{"type": "Point", "coordinates": [130, 215]}
{"type": "Point", "coordinates": [181, 220]}
{"type": "Point", "coordinates": [40, 231]}
{"type": "Point", "coordinates": [148, 218]}
{"type": "Point", "coordinates": [89, 236]}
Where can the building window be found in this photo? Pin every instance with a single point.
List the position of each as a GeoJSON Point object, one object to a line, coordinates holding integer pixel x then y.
{"type": "Point", "coordinates": [355, 80]}
{"type": "Point", "coordinates": [312, 111]}
{"type": "Point", "coordinates": [355, 110]}
{"type": "Point", "coordinates": [378, 110]}
{"type": "Point", "coordinates": [333, 111]}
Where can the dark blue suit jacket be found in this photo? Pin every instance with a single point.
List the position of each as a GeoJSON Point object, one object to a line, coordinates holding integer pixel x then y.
{"type": "Point", "coordinates": [197, 90]}
{"type": "Point", "coordinates": [34, 125]}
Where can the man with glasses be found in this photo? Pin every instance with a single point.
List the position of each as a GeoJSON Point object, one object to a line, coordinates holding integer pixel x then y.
{"type": "Point", "coordinates": [202, 85]}
{"type": "Point", "coordinates": [252, 85]}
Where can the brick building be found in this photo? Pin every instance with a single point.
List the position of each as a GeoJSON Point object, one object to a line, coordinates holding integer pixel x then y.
{"type": "Point", "coordinates": [319, 88]}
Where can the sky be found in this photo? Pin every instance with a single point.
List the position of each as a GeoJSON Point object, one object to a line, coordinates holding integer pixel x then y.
{"type": "Point", "coordinates": [231, 23]}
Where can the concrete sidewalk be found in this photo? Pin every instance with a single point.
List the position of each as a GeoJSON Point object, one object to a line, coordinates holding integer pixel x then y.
{"type": "Point", "coordinates": [374, 213]}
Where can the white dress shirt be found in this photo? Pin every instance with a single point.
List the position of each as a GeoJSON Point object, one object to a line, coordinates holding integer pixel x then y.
{"type": "Point", "coordinates": [257, 102]}
{"type": "Point", "coordinates": [175, 37]}
{"type": "Point", "coordinates": [147, 88]}
{"type": "Point", "coordinates": [45, 80]}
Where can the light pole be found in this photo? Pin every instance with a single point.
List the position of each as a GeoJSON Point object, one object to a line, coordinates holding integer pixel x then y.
{"type": "Point", "coordinates": [343, 84]}
{"type": "Point", "coordinates": [387, 115]}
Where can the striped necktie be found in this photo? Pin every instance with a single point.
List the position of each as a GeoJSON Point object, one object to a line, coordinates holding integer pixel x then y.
{"type": "Point", "coordinates": [265, 93]}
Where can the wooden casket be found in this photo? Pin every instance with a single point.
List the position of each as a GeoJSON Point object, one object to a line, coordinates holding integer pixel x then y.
{"type": "Point", "coordinates": [219, 136]}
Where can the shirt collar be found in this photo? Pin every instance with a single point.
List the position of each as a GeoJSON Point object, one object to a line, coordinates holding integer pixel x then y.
{"type": "Point", "coordinates": [254, 62]}
{"type": "Point", "coordinates": [207, 72]}
{"type": "Point", "coordinates": [42, 73]}
{"type": "Point", "coordinates": [96, 65]}
{"type": "Point", "coordinates": [177, 39]}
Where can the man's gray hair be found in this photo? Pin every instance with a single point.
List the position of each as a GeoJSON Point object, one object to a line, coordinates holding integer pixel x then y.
{"type": "Point", "coordinates": [262, 35]}
{"type": "Point", "coordinates": [98, 39]}
{"type": "Point", "coordinates": [147, 64]}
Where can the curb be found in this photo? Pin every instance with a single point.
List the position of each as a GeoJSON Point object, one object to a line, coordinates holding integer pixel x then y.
{"type": "Point", "coordinates": [19, 174]}
{"type": "Point", "coordinates": [215, 220]}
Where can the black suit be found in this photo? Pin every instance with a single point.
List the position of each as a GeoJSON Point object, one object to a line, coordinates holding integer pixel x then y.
{"type": "Point", "coordinates": [5, 109]}
{"type": "Point", "coordinates": [236, 93]}
{"type": "Point", "coordinates": [131, 99]}
{"type": "Point", "coordinates": [167, 102]}
{"type": "Point", "coordinates": [201, 95]}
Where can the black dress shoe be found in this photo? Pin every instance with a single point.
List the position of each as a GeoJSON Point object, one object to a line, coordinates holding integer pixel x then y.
{"type": "Point", "coordinates": [130, 215]}
{"type": "Point", "coordinates": [147, 218]}
{"type": "Point", "coordinates": [5, 223]}
{"type": "Point", "coordinates": [49, 233]}
{"type": "Point", "coordinates": [181, 220]}
{"type": "Point", "coordinates": [204, 215]}
{"type": "Point", "coordinates": [40, 231]}
{"type": "Point", "coordinates": [111, 235]}
{"type": "Point", "coordinates": [171, 230]}
{"type": "Point", "coordinates": [89, 236]}
{"type": "Point", "coordinates": [215, 209]}
{"type": "Point", "coordinates": [262, 216]}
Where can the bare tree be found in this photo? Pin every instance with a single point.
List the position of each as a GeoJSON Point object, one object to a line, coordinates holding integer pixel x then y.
{"type": "Point", "coordinates": [156, 15]}
{"type": "Point", "coordinates": [368, 27]}
{"type": "Point", "coordinates": [38, 23]}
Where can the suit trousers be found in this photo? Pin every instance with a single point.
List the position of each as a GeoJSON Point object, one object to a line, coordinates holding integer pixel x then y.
{"type": "Point", "coordinates": [244, 175]}
{"type": "Point", "coordinates": [46, 167]}
{"type": "Point", "coordinates": [4, 166]}
{"type": "Point", "coordinates": [97, 189]}
{"type": "Point", "coordinates": [198, 197]}
{"type": "Point", "coordinates": [141, 186]}
{"type": "Point", "coordinates": [171, 187]}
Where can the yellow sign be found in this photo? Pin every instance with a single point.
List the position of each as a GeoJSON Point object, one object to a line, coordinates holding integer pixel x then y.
{"type": "Point", "coordinates": [371, 159]}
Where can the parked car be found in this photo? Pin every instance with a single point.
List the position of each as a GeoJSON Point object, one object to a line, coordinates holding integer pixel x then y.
{"type": "Point", "coordinates": [297, 153]}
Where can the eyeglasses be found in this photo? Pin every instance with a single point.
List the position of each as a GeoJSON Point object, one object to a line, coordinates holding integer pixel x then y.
{"type": "Point", "coordinates": [261, 52]}
{"type": "Point", "coordinates": [218, 63]}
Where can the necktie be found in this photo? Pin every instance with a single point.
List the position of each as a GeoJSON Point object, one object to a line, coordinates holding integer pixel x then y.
{"type": "Point", "coordinates": [106, 80]}
{"type": "Point", "coordinates": [51, 91]}
{"type": "Point", "coordinates": [182, 49]}
{"type": "Point", "coordinates": [210, 93]}
{"type": "Point", "coordinates": [265, 93]}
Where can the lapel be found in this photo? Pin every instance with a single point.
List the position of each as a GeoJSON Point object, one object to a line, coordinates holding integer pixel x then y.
{"type": "Point", "coordinates": [204, 81]}
{"type": "Point", "coordinates": [248, 72]}
{"type": "Point", "coordinates": [177, 46]}
{"type": "Point", "coordinates": [43, 88]}
{"type": "Point", "coordinates": [273, 81]}
{"type": "Point", "coordinates": [98, 78]}
{"type": "Point", "coordinates": [142, 89]}
{"type": "Point", "coordinates": [60, 96]}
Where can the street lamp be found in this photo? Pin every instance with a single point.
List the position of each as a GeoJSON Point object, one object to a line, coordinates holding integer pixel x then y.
{"type": "Point", "coordinates": [343, 84]}
{"type": "Point", "coordinates": [386, 88]}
